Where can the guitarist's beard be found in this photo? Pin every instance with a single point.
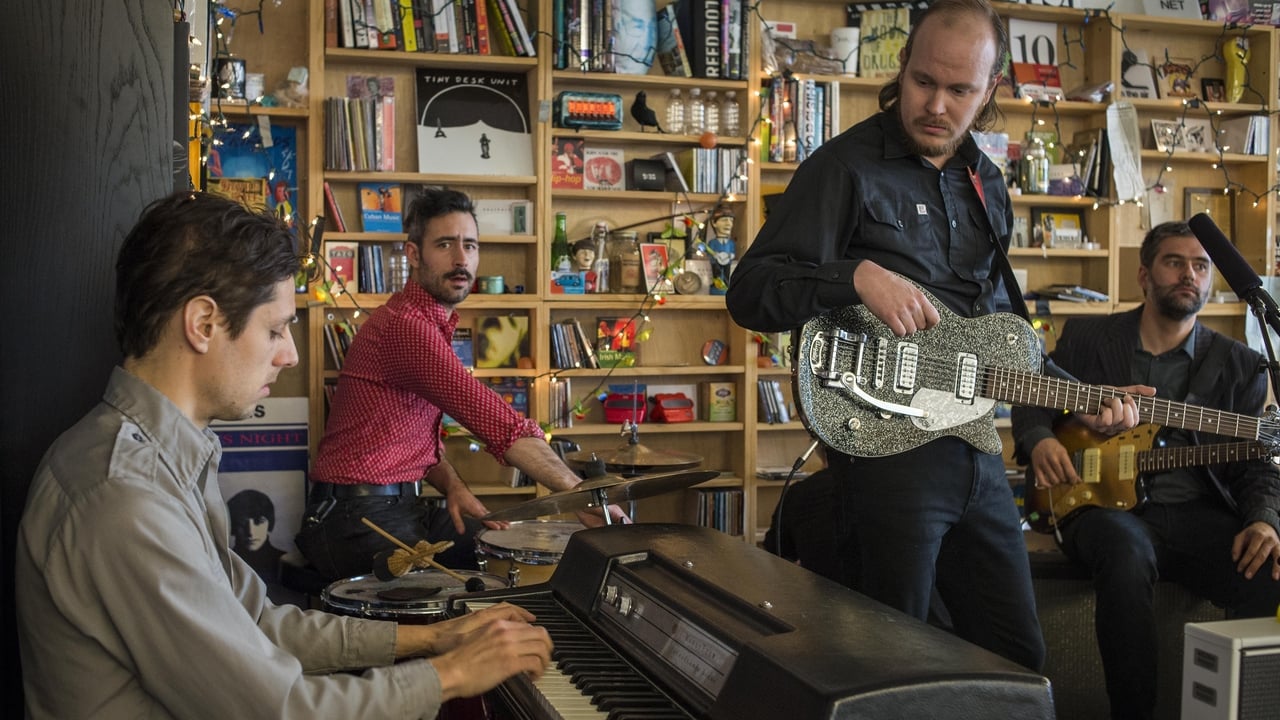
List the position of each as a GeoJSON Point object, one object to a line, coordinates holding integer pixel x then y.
{"type": "Point", "coordinates": [1176, 305]}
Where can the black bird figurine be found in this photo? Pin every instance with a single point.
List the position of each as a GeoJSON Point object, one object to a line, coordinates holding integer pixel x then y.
{"type": "Point", "coordinates": [644, 114]}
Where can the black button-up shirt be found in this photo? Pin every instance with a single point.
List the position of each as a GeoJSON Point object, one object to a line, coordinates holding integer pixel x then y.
{"type": "Point", "coordinates": [865, 196]}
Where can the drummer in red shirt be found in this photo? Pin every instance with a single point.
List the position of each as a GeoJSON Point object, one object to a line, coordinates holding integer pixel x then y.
{"type": "Point", "coordinates": [383, 434]}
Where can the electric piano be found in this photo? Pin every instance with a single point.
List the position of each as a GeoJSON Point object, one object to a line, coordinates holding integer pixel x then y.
{"type": "Point", "coordinates": [654, 621]}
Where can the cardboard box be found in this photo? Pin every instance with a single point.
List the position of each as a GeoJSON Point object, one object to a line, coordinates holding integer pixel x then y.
{"type": "Point", "coordinates": [718, 401]}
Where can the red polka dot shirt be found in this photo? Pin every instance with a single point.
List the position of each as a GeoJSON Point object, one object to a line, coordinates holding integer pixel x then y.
{"type": "Point", "coordinates": [401, 375]}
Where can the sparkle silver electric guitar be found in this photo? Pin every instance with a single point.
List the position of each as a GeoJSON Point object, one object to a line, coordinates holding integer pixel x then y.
{"type": "Point", "coordinates": [867, 393]}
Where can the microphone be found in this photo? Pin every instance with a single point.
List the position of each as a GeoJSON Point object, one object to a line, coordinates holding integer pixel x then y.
{"type": "Point", "coordinates": [1235, 270]}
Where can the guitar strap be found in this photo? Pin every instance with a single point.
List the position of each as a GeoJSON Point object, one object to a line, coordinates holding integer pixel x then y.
{"type": "Point", "coordinates": [1208, 368]}
{"type": "Point", "coordinates": [1011, 287]}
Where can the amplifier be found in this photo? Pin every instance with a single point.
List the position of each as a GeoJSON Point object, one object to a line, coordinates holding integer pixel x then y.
{"type": "Point", "coordinates": [1231, 670]}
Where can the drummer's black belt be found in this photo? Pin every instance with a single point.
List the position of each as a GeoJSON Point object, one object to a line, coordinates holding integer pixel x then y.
{"type": "Point", "coordinates": [323, 490]}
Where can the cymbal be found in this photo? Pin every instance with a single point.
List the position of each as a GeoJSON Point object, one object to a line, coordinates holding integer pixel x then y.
{"type": "Point", "coordinates": [604, 490]}
{"type": "Point", "coordinates": [635, 456]}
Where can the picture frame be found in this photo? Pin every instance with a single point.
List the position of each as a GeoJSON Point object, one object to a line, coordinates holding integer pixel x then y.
{"type": "Point", "coordinates": [1212, 202]}
{"type": "Point", "coordinates": [1167, 134]}
{"type": "Point", "coordinates": [675, 245]}
{"type": "Point", "coordinates": [1057, 227]}
{"type": "Point", "coordinates": [1213, 89]}
{"type": "Point", "coordinates": [655, 262]}
{"type": "Point", "coordinates": [1198, 136]}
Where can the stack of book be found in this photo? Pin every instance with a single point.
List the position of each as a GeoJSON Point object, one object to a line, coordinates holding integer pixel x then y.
{"type": "Point", "coordinates": [360, 132]}
{"type": "Point", "coordinates": [773, 402]}
{"type": "Point", "coordinates": [443, 26]}
{"type": "Point", "coordinates": [803, 114]}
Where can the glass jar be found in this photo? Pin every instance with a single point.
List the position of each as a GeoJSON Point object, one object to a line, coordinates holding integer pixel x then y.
{"type": "Point", "coordinates": [625, 272]}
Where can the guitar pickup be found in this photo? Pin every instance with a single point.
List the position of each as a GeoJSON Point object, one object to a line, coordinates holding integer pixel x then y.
{"type": "Point", "coordinates": [966, 382]}
{"type": "Point", "coordinates": [908, 366]}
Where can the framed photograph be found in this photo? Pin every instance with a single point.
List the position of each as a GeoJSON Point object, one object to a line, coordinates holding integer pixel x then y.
{"type": "Point", "coordinates": [1197, 135]}
{"type": "Point", "coordinates": [675, 245]}
{"type": "Point", "coordinates": [654, 259]}
{"type": "Point", "coordinates": [1057, 227]}
{"type": "Point", "coordinates": [1213, 89]}
{"type": "Point", "coordinates": [1211, 202]}
{"type": "Point", "coordinates": [1167, 134]}
{"type": "Point", "coordinates": [1175, 78]}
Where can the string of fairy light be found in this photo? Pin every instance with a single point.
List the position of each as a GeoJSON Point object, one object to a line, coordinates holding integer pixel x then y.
{"type": "Point", "coordinates": [1073, 37]}
{"type": "Point", "coordinates": [210, 126]}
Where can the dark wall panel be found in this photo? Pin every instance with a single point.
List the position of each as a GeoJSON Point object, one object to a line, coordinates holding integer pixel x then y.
{"type": "Point", "coordinates": [86, 138]}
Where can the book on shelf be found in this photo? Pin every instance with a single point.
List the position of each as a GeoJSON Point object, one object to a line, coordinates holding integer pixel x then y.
{"type": "Point", "coordinates": [372, 270]}
{"type": "Point", "coordinates": [341, 261]}
{"type": "Point", "coordinates": [884, 34]}
{"type": "Point", "coordinates": [561, 402]}
{"type": "Point", "coordinates": [566, 163]}
{"type": "Point", "coordinates": [615, 341]}
{"type": "Point", "coordinates": [335, 210]}
{"type": "Point", "coordinates": [1071, 293]}
{"type": "Point", "coordinates": [672, 55]}
{"type": "Point", "coordinates": [602, 169]}
{"type": "Point", "coordinates": [463, 347]}
{"type": "Point", "coordinates": [1137, 76]}
{"type": "Point", "coordinates": [501, 340]}
{"type": "Point", "coordinates": [372, 99]}
{"type": "Point", "coordinates": [705, 43]}
{"type": "Point", "coordinates": [380, 207]}
{"type": "Point", "coordinates": [473, 122]}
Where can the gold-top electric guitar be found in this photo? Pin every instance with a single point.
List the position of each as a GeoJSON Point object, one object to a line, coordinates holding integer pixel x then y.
{"type": "Point", "coordinates": [865, 392]}
{"type": "Point", "coordinates": [1110, 469]}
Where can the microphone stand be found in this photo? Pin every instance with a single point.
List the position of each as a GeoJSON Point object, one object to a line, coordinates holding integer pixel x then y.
{"type": "Point", "coordinates": [1264, 308]}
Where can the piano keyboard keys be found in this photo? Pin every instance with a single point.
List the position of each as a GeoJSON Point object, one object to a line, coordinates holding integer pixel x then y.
{"type": "Point", "coordinates": [589, 680]}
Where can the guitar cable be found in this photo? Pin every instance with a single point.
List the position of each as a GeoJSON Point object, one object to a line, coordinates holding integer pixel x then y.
{"type": "Point", "coordinates": [795, 468]}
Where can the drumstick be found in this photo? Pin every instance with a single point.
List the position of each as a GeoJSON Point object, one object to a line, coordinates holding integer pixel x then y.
{"type": "Point", "coordinates": [412, 557]}
{"type": "Point", "coordinates": [386, 535]}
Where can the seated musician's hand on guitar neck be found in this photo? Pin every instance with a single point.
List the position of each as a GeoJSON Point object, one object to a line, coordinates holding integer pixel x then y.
{"type": "Point", "coordinates": [894, 301]}
{"type": "Point", "coordinates": [1117, 414]}
{"type": "Point", "coordinates": [1051, 462]}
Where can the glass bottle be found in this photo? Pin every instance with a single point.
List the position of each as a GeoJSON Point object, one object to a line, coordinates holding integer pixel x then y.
{"type": "Point", "coordinates": [1036, 166]}
{"type": "Point", "coordinates": [561, 257]}
{"type": "Point", "coordinates": [675, 113]}
{"type": "Point", "coordinates": [600, 238]}
{"type": "Point", "coordinates": [730, 116]}
{"type": "Point", "coordinates": [695, 113]}
{"type": "Point", "coordinates": [398, 264]}
{"type": "Point", "coordinates": [711, 112]}
{"type": "Point", "coordinates": [625, 274]}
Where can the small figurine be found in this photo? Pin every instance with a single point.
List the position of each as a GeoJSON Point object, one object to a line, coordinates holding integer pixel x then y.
{"type": "Point", "coordinates": [584, 260]}
{"type": "Point", "coordinates": [721, 247]}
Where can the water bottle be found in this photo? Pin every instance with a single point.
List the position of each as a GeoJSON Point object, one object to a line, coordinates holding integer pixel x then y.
{"type": "Point", "coordinates": [730, 116]}
{"type": "Point", "coordinates": [675, 113]}
{"type": "Point", "coordinates": [695, 113]}
{"type": "Point", "coordinates": [398, 264]}
{"type": "Point", "coordinates": [711, 112]}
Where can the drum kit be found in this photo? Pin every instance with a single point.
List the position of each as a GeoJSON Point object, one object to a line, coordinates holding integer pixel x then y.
{"type": "Point", "coordinates": [526, 551]}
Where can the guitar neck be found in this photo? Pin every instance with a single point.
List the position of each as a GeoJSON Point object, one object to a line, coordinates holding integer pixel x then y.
{"type": "Point", "coordinates": [1172, 458]}
{"type": "Point", "coordinates": [1024, 388]}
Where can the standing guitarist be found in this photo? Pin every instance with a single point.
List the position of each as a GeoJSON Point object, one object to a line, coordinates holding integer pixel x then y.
{"type": "Point", "coordinates": [1212, 529]}
{"type": "Point", "coordinates": [908, 191]}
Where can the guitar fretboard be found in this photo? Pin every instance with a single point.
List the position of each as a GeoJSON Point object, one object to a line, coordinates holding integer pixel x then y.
{"type": "Point", "coordinates": [1172, 458]}
{"type": "Point", "coordinates": [1024, 388]}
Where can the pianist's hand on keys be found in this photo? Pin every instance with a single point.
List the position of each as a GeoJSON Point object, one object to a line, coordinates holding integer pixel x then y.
{"type": "Point", "coordinates": [477, 651]}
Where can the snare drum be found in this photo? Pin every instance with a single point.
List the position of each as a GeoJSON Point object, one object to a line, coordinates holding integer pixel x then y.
{"type": "Point", "coordinates": [417, 598]}
{"type": "Point", "coordinates": [527, 552]}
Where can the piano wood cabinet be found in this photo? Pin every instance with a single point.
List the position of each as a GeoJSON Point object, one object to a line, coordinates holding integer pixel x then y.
{"type": "Point", "coordinates": [1092, 46]}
